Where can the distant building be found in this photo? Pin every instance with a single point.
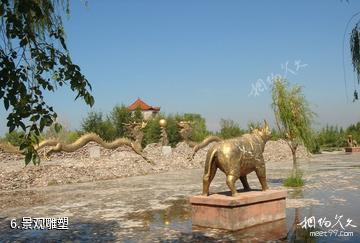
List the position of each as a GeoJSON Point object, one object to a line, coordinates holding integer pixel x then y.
{"type": "Point", "coordinates": [147, 110]}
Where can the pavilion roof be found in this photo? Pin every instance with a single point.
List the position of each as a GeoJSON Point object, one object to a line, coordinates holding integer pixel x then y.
{"type": "Point", "coordinates": [143, 106]}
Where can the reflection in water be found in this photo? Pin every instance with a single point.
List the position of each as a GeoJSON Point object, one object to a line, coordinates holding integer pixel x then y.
{"type": "Point", "coordinates": [178, 215]}
{"type": "Point", "coordinates": [296, 193]}
{"type": "Point", "coordinates": [278, 181]}
{"type": "Point", "coordinates": [79, 231]}
{"type": "Point", "coordinates": [298, 234]}
{"type": "Point", "coordinates": [273, 231]}
{"type": "Point", "coordinates": [178, 211]}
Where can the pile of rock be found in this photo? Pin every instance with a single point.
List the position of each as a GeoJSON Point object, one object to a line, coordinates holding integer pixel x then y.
{"type": "Point", "coordinates": [64, 168]}
{"type": "Point", "coordinates": [279, 150]}
{"type": "Point", "coordinates": [178, 159]}
{"type": "Point", "coordinates": [5, 156]}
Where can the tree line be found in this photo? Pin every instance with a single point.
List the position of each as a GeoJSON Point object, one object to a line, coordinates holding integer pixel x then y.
{"type": "Point", "coordinates": [112, 125]}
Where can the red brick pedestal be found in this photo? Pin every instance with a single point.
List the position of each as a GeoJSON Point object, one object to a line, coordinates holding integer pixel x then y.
{"type": "Point", "coordinates": [234, 213]}
{"type": "Point", "coordinates": [352, 149]}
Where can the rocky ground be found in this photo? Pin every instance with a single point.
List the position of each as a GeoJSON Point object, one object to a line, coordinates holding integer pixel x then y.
{"type": "Point", "coordinates": [68, 168]}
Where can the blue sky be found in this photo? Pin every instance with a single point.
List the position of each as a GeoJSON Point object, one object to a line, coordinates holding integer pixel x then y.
{"type": "Point", "coordinates": [205, 56]}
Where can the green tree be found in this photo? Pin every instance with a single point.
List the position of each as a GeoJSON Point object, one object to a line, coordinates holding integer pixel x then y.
{"type": "Point", "coordinates": [230, 129]}
{"type": "Point", "coordinates": [94, 122]}
{"type": "Point", "coordinates": [152, 131]}
{"type": "Point", "coordinates": [172, 130]}
{"type": "Point", "coordinates": [34, 59]}
{"type": "Point", "coordinates": [331, 137]}
{"type": "Point", "coordinates": [199, 132]}
{"type": "Point", "coordinates": [315, 148]}
{"type": "Point", "coordinates": [354, 130]}
{"type": "Point", "coordinates": [355, 54]}
{"type": "Point", "coordinates": [120, 115]}
{"type": "Point", "coordinates": [293, 116]}
{"type": "Point", "coordinates": [137, 115]}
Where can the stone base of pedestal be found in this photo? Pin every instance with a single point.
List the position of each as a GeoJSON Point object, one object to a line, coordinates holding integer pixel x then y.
{"type": "Point", "coordinates": [274, 231]}
{"type": "Point", "coordinates": [352, 149]}
{"type": "Point", "coordinates": [94, 152]}
{"type": "Point", "coordinates": [233, 213]}
{"type": "Point", "coordinates": [166, 150]}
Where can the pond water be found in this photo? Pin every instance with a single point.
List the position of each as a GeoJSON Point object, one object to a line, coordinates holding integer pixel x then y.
{"type": "Point", "coordinates": [155, 208]}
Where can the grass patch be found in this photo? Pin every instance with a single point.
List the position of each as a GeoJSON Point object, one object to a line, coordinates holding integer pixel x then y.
{"type": "Point", "coordinates": [294, 181]}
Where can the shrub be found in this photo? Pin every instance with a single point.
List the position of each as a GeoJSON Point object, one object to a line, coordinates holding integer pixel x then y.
{"type": "Point", "coordinates": [230, 129]}
{"type": "Point", "coordinates": [294, 180]}
{"type": "Point", "coordinates": [315, 147]}
{"type": "Point", "coordinates": [252, 124]}
{"type": "Point", "coordinates": [152, 132]}
{"type": "Point", "coordinates": [172, 130]}
{"type": "Point", "coordinates": [15, 137]}
{"type": "Point", "coordinates": [199, 132]}
{"type": "Point", "coordinates": [276, 135]}
{"type": "Point", "coordinates": [119, 116]}
{"type": "Point", "coordinates": [354, 130]}
{"type": "Point", "coordinates": [95, 123]}
{"type": "Point", "coordinates": [136, 115]}
{"type": "Point", "coordinates": [64, 134]}
{"type": "Point", "coordinates": [72, 136]}
{"type": "Point", "coordinates": [330, 137]}
{"type": "Point", "coordinates": [113, 126]}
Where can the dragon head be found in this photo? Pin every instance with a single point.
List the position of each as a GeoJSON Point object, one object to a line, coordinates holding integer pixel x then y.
{"type": "Point", "coordinates": [264, 131]}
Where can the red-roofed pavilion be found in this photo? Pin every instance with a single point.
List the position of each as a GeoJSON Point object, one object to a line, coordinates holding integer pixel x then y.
{"type": "Point", "coordinates": [147, 110]}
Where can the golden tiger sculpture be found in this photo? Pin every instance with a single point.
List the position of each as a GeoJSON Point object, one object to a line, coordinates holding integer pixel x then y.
{"type": "Point", "coordinates": [238, 157]}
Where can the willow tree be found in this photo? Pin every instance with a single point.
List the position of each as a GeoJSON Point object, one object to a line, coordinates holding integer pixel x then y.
{"type": "Point", "coordinates": [293, 116]}
{"type": "Point", "coordinates": [34, 59]}
{"type": "Point", "coordinates": [355, 54]}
